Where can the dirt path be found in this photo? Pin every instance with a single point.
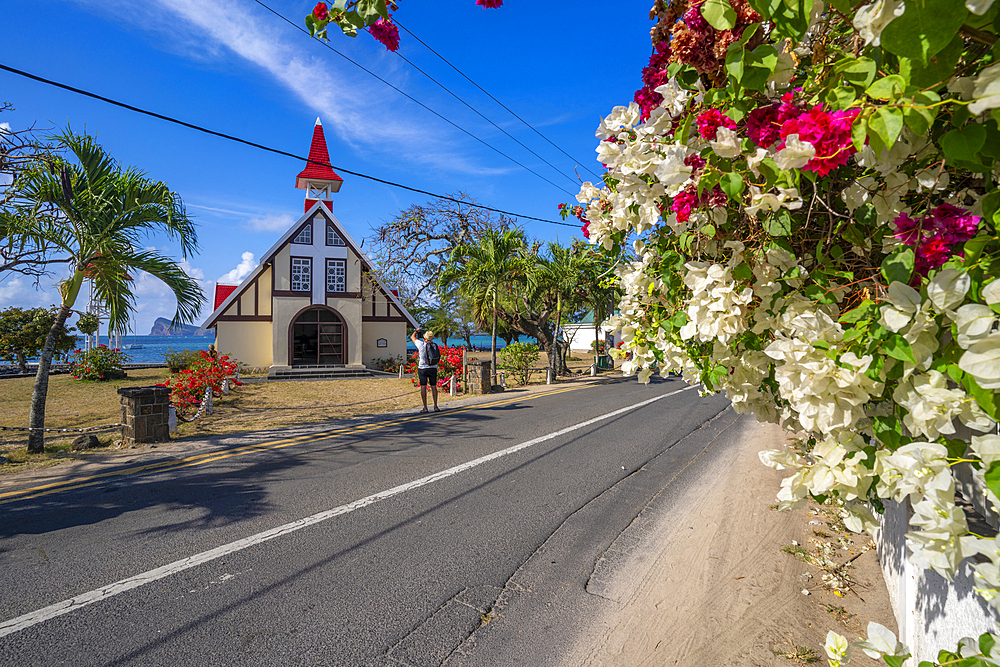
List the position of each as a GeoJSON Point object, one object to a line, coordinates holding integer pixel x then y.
{"type": "Point", "coordinates": [713, 587]}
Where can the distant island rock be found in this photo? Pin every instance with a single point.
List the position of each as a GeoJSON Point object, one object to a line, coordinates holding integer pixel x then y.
{"type": "Point", "coordinates": [161, 327]}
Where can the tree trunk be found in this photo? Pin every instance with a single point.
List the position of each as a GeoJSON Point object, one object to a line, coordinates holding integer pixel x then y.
{"type": "Point", "coordinates": [493, 348]}
{"type": "Point", "coordinates": [22, 362]}
{"type": "Point", "coordinates": [36, 416]}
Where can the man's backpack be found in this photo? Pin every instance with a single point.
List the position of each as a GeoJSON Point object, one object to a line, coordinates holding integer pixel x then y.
{"type": "Point", "coordinates": [433, 353]}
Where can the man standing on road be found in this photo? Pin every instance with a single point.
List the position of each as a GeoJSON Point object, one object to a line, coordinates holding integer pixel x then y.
{"type": "Point", "coordinates": [427, 361]}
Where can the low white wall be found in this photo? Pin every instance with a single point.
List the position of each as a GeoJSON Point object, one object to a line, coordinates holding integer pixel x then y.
{"type": "Point", "coordinates": [932, 613]}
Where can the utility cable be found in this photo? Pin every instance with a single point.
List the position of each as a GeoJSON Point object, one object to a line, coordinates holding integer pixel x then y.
{"type": "Point", "coordinates": [427, 46]}
{"type": "Point", "coordinates": [478, 113]}
{"type": "Point", "coordinates": [268, 148]}
{"type": "Point", "coordinates": [414, 100]}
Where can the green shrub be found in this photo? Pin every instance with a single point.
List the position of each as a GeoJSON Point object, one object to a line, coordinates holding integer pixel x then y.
{"type": "Point", "coordinates": [181, 360]}
{"type": "Point", "coordinates": [517, 358]}
{"type": "Point", "coordinates": [98, 363]}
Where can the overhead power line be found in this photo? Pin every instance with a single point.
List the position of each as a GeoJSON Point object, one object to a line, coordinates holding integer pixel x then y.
{"type": "Point", "coordinates": [532, 127]}
{"type": "Point", "coordinates": [416, 101]}
{"type": "Point", "coordinates": [277, 151]}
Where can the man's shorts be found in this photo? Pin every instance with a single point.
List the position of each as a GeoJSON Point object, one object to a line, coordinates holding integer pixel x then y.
{"type": "Point", "coordinates": [428, 375]}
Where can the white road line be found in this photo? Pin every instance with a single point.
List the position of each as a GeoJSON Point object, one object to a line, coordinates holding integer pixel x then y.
{"type": "Point", "coordinates": [97, 595]}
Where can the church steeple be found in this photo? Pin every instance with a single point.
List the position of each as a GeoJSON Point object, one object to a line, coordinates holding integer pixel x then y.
{"type": "Point", "coordinates": [318, 179]}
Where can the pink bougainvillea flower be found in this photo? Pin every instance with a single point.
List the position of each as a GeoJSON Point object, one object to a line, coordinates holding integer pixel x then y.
{"type": "Point", "coordinates": [710, 121]}
{"type": "Point", "coordinates": [828, 133]}
{"type": "Point", "coordinates": [489, 4]}
{"type": "Point", "coordinates": [320, 11]}
{"type": "Point", "coordinates": [386, 32]}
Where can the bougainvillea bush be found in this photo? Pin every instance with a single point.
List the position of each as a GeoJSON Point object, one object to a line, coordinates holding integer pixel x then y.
{"type": "Point", "coordinates": [98, 364]}
{"type": "Point", "coordinates": [449, 366]}
{"type": "Point", "coordinates": [187, 388]}
{"type": "Point", "coordinates": [375, 16]}
{"type": "Point", "coordinates": [810, 191]}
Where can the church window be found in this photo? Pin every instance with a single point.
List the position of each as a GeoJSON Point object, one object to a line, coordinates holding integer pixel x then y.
{"type": "Point", "coordinates": [301, 274]}
{"type": "Point", "coordinates": [305, 236]}
{"type": "Point", "coordinates": [336, 275]}
{"type": "Point", "coordinates": [332, 237]}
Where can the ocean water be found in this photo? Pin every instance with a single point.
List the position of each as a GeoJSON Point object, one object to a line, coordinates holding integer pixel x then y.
{"type": "Point", "coordinates": [155, 347]}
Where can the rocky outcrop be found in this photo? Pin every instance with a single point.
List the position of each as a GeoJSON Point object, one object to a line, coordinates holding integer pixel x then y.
{"type": "Point", "coordinates": [161, 327]}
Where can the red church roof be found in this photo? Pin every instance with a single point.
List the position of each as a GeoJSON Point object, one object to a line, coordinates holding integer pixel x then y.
{"type": "Point", "coordinates": [318, 168]}
{"type": "Point", "coordinates": [221, 292]}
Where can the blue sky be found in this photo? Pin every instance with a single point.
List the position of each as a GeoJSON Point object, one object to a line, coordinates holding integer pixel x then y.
{"type": "Point", "coordinates": [231, 66]}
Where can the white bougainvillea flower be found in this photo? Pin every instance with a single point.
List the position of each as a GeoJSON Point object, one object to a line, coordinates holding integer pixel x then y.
{"type": "Point", "coordinates": [619, 119]}
{"type": "Point", "coordinates": [837, 649]}
{"type": "Point", "coordinates": [986, 93]}
{"type": "Point", "coordinates": [982, 361]}
{"type": "Point", "coordinates": [978, 7]}
{"type": "Point", "coordinates": [991, 293]}
{"type": "Point", "coordinates": [973, 321]}
{"type": "Point", "coordinates": [933, 179]}
{"type": "Point", "coordinates": [948, 289]}
{"type": "Point", "coordinates": [675, 98]}
{"type": "Point", "coordinates": [796, 153]}
{"type": "Point", "coordinates": [672, 173]}
{"type": "Point", "coordinates": [904, 301]}
{"type": "Point", "coordinates": [726, 144]}
{"type": "Point", "coordinates": [772, 201]}
{"type": "Point", "coordinates": [986, 447]}
{"type": "Point", "coordinates": [881, 641]}
{"type": "Point", "coordinates": [872, 19]}
{"type": "Point", "coordinates": [858, 517]}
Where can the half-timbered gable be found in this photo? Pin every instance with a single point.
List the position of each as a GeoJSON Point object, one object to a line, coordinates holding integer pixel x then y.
{"type": "Point", "coordinates": [313, 300]}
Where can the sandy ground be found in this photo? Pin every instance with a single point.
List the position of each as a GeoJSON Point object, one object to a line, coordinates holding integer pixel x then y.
{"type": "Point", "coordinates": [712, 586]}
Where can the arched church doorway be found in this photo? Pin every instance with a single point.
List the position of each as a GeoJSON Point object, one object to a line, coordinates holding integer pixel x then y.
{"type": "Point", "coordinates": [317, 337]}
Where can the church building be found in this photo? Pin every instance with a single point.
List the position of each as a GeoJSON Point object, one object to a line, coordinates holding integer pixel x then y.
{"type": "Point", "coordinates": [313, 301]}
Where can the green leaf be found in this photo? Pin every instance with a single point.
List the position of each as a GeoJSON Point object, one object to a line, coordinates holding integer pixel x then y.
{"type": "Point", "coordinates": [759, 65]}
{"type": "Point", "coordinates": [887, 88]}
{"type": "Point", "coordinates": [895, 660]}
{"type": "Point", "coordinates": [886, 123]}
{"type": "Point", "coordinates": [841, 97]}
{"type": "Point", "coordinates": [964, 143]}
{"type": "Point", "coordinates": [859, 132]}
{"type": "Point", "coordinates": [743, 271]}
{"type": "Point", "coordinates": [856, 71]}
{"type": "Point", "coordinates": [368, 10]}
{"type": "Point", "coordinates": [939, 67]}
{"type": "Point", "coordinates": [924, 29]}
{"type": "Point", "coordinates": [897, 348]}
{"type": "Point", "coordinates": [719, 14]}
{"type": "Point", "coordinates": [734, 63]}
{"type": "Point", "coordinates": [898, 265]}
{"type": "Point", "coordinates": [993, 478]}
{"type": "Point", "coordinates": [732, 184]}
{"type": "Point", "coordinates": [991, 206]}
{"type": "Point", "coordinates": [862, 311]}
{"type": "Point", "coordinates": [919, 114]}
{"type": "Point", "coordinates": [843, 6]}
{"type": "Point", "coordinates": [986, 643]}
{"type": "Point", "coordinates": [987, 399]}
{"type": "Point", "coordinates": [779, 223]}
{"type": "Point", "coordinates": [311, 24]}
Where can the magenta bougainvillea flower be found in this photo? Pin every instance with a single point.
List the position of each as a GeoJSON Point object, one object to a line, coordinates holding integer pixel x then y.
{"type": "Point", "coordinates": [320, 11]}
{"type": "Point", "coordinates": [710, 121]}
{"type": "Point", "coordinates": [934, 237]}
{"type": "Point", "coordinates": [829, 134]}
{"type": "Point", "coordinates": [386, 32]}
{"type": "Point", "coordinates": [490, 4]}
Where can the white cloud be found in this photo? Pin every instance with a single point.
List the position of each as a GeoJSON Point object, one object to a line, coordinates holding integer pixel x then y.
{"type": "Point", "coordinates": [272, 222]}
{"type": "Point", "coordinates": [242, 270]}
{"type": "Point", "coordinates": [345, 104]}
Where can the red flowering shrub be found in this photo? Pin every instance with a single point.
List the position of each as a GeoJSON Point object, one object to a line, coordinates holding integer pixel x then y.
{"type": "Point", "coordinates": [187, 388]}
{"type": "Point", "coordinates": [450, 365]}
{"type": "Point", "coordinates": [98, 363]}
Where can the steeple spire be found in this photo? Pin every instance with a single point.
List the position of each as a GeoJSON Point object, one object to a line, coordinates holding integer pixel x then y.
{"type": "Point", "coordinates": [318, 179]}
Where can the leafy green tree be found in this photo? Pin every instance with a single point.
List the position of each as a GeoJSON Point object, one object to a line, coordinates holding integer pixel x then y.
{"type": "Point", "coordinates": [104, 212]}
{"type": "Point", "coordinates": [598, 286]}
{"type": "Point", "coordinates": [23, 333]}
{"type": "Point", "coordinates": [485, 273]}
{"type": "Point", "coordinates": [557, 275]}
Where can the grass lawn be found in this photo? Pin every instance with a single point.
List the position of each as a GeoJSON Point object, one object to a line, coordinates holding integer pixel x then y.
{"type": "Point", "coordinates": [252, 407]}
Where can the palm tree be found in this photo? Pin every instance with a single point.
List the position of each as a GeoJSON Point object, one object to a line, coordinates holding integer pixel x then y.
{"type": "Point", "coordinates": [598, 288]}
{"type": "Point", "coordinates": [483, 272]}
{"type": "Point", "coordinates": [559, 275]}
{"type": "Point", "coordinates": [103, 212]}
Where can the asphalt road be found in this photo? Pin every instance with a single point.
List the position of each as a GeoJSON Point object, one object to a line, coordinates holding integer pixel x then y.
{"type": "Point", "coordinates": [478, 536]}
